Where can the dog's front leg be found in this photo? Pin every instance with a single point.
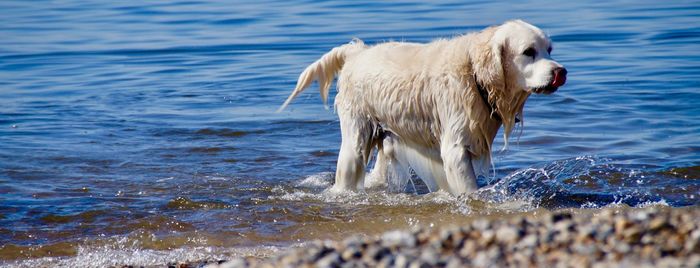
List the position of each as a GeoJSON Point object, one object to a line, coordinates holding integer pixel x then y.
{"type": "Point", "coordinates": [458, 166]}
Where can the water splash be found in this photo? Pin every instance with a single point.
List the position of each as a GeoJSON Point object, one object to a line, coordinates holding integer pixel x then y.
{"type": "Point", "coordinates": [118, 255]}
{"type": "Point", "coordinates": [580, 182]}
{"type": "Point", "coordinates": [320, 180]}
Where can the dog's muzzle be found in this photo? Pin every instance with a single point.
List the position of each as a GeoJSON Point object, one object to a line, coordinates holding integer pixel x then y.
{"type": "Point", "coordinates": [558, 79]}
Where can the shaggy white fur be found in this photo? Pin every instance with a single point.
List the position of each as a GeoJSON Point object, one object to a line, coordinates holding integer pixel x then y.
{"type": "Point", "coordinates": [435, 107]}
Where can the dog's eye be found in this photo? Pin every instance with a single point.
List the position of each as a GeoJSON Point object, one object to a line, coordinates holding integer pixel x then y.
{"type": "Point", "coordinates": [549, 50]}
{"type": "Point", "coordinates": [530, 52]}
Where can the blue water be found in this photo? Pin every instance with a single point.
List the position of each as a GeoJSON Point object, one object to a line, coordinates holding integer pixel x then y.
{"type": "Point", "coordinates": [145, 132]}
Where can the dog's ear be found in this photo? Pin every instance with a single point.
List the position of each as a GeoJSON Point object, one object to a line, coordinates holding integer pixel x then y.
{"type": "Point", "coordinates": [488, 58]}
{"type": "Point", "coordinates": [500, 82]}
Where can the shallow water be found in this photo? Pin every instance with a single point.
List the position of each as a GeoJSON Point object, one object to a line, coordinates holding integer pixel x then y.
{"type": "Point", "coordinates": [135, 133]}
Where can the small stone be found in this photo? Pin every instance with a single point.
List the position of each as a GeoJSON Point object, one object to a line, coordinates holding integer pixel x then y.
{"type": "Point", "coordinates": [330, 260]}
{"type": "Point", "coordinates": [621, 224]}
{"type": "Point", "coordinates": [524, 258]}
{"type": "Point", "coordinates": [695, 235]}
{"type": "Point", "coordinates": [482, 259]}
{"type": "Point", "coordinates": [398, 239]}
{"type": "Point", "coordinates": [375, 254]}
{"type": "Point", "coordinates": [668, 262]}
{"type": "Point", "coordinates": [351, 253]}
{"type": "Point", "coordinates": [658, 224]}
{"type": "Point", "coordinates": [546, 236]}
{"type": "Point", "coordinates": [487, 237]}
{"type": "Point", "coordinates": [580, 261]}
{"type": "Point", "coordinates": [316, 253]}
{"type": "Point", "coordinates": [451, 238]}
{"type": "Point", "coordinates": [418, 264]}
{"type": "Point", "coordinates": [386, 261]}
{"type": "Point", "coordinates": [673, 244]}
{"type": "Point", "coordinates": [468, 249]}
{"type": "Point", "coordinates": [623, 248]}
{"type": "Point", "coordinates": [507, 234]}
{"type": "Point", "coordinates": [692, 245]}
{"type": "Point", "coordinates": [632, 234]}
{"type": "Point", "coordinates": [529, 241]}
{"type": "Point", "coordinates": [454, 263]}
{"type": "Point", "coordinates": [563, 236]}
{"type": "Point", "coordinates": [649, 252]}
{"type": "Point", "coordinates": [430, 257]}
{"type": "Point", "coordinates": [401, 261]}
{"type": "Point", "coordinates": [603, 232]}
{"type": "Point", "coordinates": [563, 225]}
{"type": "Point", "coordinates": [647, 239]}
{"type": "Point", "coordinates": [494, 253]}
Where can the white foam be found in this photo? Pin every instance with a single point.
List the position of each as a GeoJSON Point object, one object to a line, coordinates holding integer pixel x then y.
{"type": "Point", "coordinates": [165, 179]}
{"type": "Point", "coordinates": [217, 178]}
{"type": "Point", "coordinates": [294, 196]}
{"type": "Point", "coordinates": [109, 256]}
{"type": "Point", "coordinates": [374, 179]}
{"type": "Point", "coordinates": [320, 180]}
{"type": "Point", "coordinates": [522, 190]}
{"type": "Point", "coordinates": [661, 202]}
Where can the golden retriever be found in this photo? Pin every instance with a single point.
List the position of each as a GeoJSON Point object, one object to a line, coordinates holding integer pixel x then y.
{"type": "Point", "coordinates": [434, 108]}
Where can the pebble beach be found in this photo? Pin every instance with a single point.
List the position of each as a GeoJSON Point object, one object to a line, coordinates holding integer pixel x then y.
{"type": "Point", "coordinates": [609, 237]}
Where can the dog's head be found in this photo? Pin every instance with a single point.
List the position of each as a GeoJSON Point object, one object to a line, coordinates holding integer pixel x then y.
{"type": "Point", "coordinates": [511, 61]}
{"type": "Point", "coordinates": [520, 58]}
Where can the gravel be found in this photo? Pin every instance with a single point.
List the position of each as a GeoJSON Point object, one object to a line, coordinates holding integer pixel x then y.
{"type": "Point", "coordinates": [611, 237]}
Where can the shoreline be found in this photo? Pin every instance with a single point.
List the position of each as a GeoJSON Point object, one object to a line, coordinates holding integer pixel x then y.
{"type": "Point", "coordinates": [615, 236]}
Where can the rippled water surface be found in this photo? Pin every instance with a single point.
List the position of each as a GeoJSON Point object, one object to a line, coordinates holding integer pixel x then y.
{"type": "Point", "coordinates": [144, 133]}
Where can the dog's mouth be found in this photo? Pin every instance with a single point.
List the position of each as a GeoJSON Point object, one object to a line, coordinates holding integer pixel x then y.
{"type": "Point", "coordinates": [548, 89]}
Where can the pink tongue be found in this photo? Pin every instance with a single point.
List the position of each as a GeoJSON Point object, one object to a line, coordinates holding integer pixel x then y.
{"type": "Point", "coordinates": [558, 79]}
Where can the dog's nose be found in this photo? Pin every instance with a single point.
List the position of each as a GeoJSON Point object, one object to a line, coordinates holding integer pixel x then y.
{"type": "Point", "coordinates": [559, 77]}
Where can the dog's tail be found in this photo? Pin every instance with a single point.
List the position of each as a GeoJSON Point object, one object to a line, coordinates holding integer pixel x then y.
{"type": "Point", "coordinates": [324, 70]}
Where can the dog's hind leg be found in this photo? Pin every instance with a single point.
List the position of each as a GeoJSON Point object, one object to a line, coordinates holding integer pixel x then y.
{"type": "Point", "coordinates": [403, 158]}
{"type": "Point", "coordinates": [398, 173]}
{"type": "Point", "coordinates": [356, 133]}
{"type": "Point", "coordinates": [380, 171]}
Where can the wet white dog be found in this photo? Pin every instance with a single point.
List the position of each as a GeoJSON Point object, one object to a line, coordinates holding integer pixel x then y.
{"type": "Point", "coordinates": [436, 107]}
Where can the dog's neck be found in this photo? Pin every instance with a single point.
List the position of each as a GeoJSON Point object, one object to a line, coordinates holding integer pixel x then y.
{"type": "Point", "coordinates": [491, 106]}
